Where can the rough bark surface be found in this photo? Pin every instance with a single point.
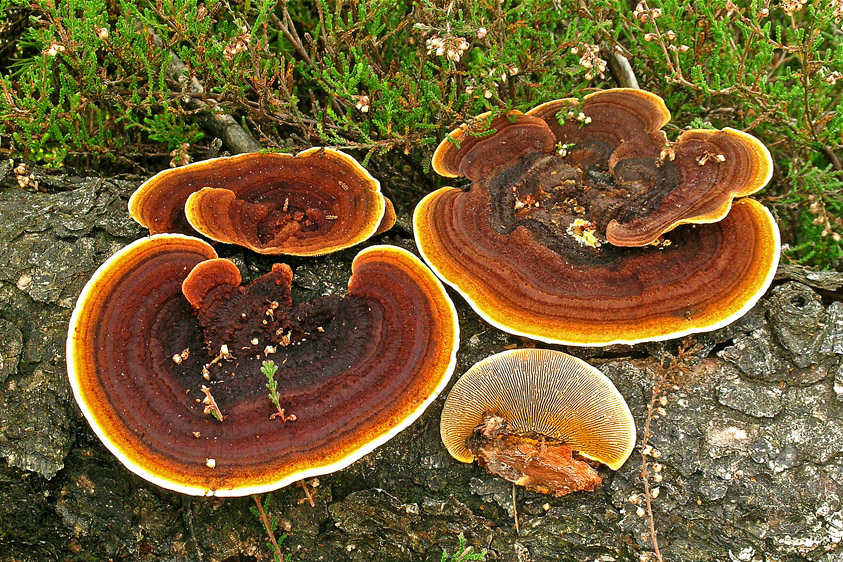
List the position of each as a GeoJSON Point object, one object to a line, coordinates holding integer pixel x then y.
{"type": "Point", "coordinates": [751, 440]}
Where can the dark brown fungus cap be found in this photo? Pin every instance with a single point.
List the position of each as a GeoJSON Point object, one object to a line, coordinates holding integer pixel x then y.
{"type": "Point", "coordinates": [475, 151]}
{"type": "Point", "coordinates": [535, 417]}
{"type": "Point", "coordinates": [540, 243]}
{"type": "Point", "coordinates": [164, 328]}
{"type": "Point", "coordinates": [316, 202]}
{"type": "Point", "coordinates": [659, 185]}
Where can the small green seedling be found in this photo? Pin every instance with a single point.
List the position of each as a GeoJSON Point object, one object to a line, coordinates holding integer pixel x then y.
{"type": "Point", "coordinates": [269, 369]}
{"type": "Point", "coordinates": [463, 553]}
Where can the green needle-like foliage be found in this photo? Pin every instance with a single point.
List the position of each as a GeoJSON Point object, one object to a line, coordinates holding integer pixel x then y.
{"type": "Point", "coordinates": [269, 369]}
{"type": "Point", "coordinates": [86, 82]}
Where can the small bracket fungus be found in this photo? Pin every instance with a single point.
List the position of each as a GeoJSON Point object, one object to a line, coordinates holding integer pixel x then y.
{"type": "Point", "coordinates": [584, 225]}
{"type": "Point", "coordinates": [539, 418]}
{"type": "Point", "coordinates": [316, 202]}
{"type": "Point", "coordinates": [352, 371]}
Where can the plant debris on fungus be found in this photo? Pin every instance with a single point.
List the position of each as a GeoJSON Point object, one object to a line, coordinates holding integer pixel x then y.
{"type": "Point", "coordinates": [598, 230]}
{"type": "Point", "coordinates": [316, 202]}
{"type": "Point", "coordinates": [539, 418]}
{"type": "Point", "coordinates": [352, 371]}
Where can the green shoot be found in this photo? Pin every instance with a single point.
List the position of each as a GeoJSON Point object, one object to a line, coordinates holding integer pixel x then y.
{"type": "Point", "coordinates": [464, 552]}
{"type": "Point", "coordinates": [269, 369]}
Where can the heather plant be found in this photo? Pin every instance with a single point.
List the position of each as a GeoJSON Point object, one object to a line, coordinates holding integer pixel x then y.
{"type": "Point", "coordinates": [91, 83]}
{"type": "Point", "coordinates": [771, 69]}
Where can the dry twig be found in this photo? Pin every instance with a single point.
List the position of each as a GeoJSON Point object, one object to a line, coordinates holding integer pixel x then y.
{"type": "Point", "coordinates": [268, 527]}
{"type": "Point", "coordinates": [667, 377]}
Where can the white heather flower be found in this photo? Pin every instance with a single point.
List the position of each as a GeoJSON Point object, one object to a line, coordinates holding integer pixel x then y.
{"type": "Point", "coordinates": [432, 43]}
{"type": "Point", "coordinates": [481, 32]}
{"type": "Point", "coordinates": [731, 8]}
{"type": "Point", "coordinates": [461, 46]}
{"type": "Point", "coordinates": [362, 104]}
{"type": "Point", "coordinates": [54, 49]}
{"type": "Point", "coordinates": [238, 45]}
{"type": "Point", "coordinates": [640, 13]}
{"type": "Point", "coordinates": [589, 60]}
{"type": "Point", "coordinates": [450, 46]}
{"type": "Point", "coordinates": [790, 7]}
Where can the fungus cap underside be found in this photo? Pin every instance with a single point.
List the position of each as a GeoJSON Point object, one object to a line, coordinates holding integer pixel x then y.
{"type": "Point", "coordinates": [543, 392]}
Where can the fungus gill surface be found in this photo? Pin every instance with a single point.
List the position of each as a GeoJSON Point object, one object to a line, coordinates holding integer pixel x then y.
{"type": "Point", "coordinates": [536, 417]}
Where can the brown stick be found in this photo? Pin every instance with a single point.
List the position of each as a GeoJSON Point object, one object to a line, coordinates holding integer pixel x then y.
{"type": "Point", "coordinates": [645, 473]}
{"type": "Point", "coordinates": [619, 68]}
{"type": "Point", "coordinates": [235, 137]}
{"type": "Point", "coordinates": [307, 493]}
{"type": "Point", "coordinates": [266, 526]}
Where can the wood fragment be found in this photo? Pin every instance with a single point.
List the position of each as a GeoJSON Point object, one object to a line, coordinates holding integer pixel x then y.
{"type": "Point", "coordinates": [533, 461]}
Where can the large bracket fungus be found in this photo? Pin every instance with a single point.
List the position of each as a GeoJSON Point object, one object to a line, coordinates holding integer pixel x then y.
{"type": "Point", "coordinates": [165, 350]}
{"type": "Point", "coordinates": [584, 225]}
{"type": "Point", "coordinates": [316, 202]}
{"type": "Point", "coordinates": [538, 417]}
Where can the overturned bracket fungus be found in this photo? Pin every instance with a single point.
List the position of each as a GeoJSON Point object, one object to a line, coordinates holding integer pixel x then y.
{"type": "Point", "coordinates": [539, 418]}
{"type": "Point", "coordinates": [165, 350]}
{"type": "Point", "coordinates": [316, 202]}
{"type": "Point", "coordinates": [584, 225]}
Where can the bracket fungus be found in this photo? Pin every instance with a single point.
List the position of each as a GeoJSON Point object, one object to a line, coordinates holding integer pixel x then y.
{"type": "Point", "coordinates": [539, 418]}
{"type": "Point", "coordinates": [584, 225]}
{"type": "Point", "coordinates": [316, 202]}
{"type": "Point", "coordinates": [165, 353]}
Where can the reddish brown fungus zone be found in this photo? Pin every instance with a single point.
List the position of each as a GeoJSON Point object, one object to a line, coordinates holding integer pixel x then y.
{"type": "Point", "coordinates": [352, 369]}
{"type": "Point", "coordinates": [585, 225]}
{"type": "Point", "coordinates": [316, 202]}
